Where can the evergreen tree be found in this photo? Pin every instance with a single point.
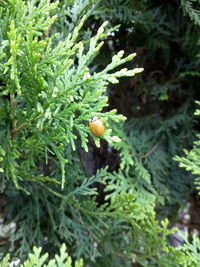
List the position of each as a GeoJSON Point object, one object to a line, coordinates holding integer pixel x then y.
{"type": "Point", "coordinates": [51, 86]}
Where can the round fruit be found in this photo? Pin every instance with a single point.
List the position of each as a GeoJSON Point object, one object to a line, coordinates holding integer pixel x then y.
{"type": "Point", "coordinates": [96, 126]}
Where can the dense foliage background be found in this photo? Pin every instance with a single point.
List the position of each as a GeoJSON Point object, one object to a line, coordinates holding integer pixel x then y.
{"type": "Point", "coordinates": [113, 200]}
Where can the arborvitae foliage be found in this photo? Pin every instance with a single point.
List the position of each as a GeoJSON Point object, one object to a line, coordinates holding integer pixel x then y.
{"type": "Point", "coordinates": [191, 7]}
{"type": "Point", "coordinates": [48, 95]}
{"type": "Point", "coordinates": [128, 237]}
{"type": "Point", "coordinates": [168, 44]}
{"type": "Point", "coordinates": [147, 144]}
{"type": "Point", "coordinates": [51, 85]}
{"type": "Point", "coordinates": [35, 259]}
{"type": "Point", "coordinates": [48, 92]}
{"type": "Point", "coordinates": [191, 160]}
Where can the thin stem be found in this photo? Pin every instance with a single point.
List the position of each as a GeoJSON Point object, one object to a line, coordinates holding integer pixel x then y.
{"type": "Point", "coordinates": [151, 151]}
{"type": "Point", "coordinates": [13, 116]}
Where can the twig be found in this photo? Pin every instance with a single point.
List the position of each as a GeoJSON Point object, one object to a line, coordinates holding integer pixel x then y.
{"type": "Point", "coordinates": [13, 104]}
{"type": "Point", "coordinates": [151, 151]}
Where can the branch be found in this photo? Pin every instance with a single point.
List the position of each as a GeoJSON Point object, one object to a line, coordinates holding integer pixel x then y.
{"type": "Point", "coordinates": [151, 151]}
